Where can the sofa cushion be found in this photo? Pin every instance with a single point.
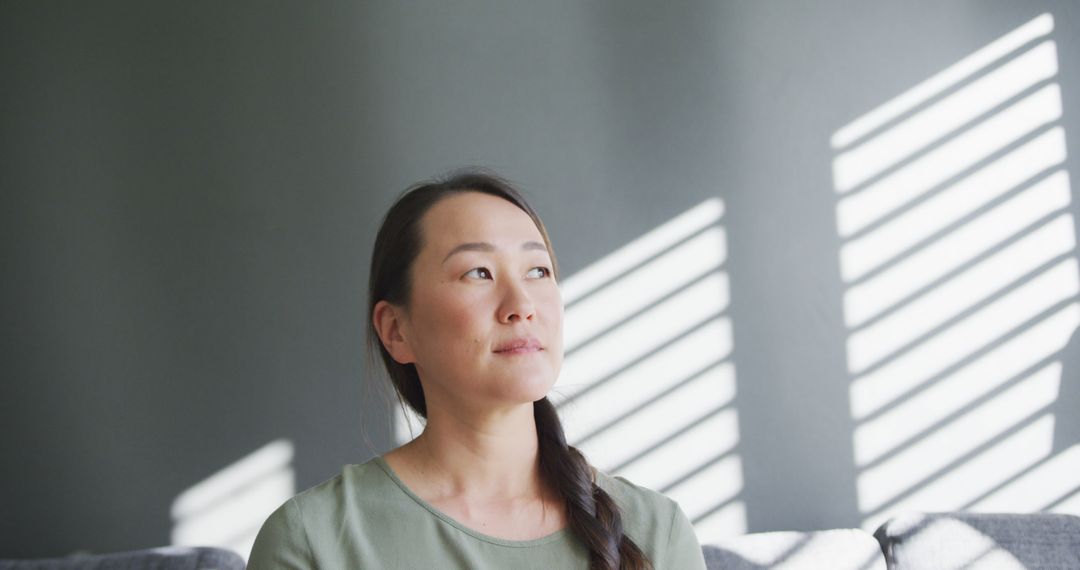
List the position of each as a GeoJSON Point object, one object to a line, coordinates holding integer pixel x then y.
{"type": "Point", "coordinates": [930, 541]}
{"type": "Point", "coordinates": [841, 549]}
{"type": "Point", "coordinates": [165, 558]}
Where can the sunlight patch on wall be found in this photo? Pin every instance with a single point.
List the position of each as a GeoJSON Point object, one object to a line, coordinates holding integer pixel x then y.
{"type": "Point", "coordinates": [648, 385]}
{"type": "Point", "coordinates": [961, 285]}
{"type": "Point", "coordinates": [228, 508]}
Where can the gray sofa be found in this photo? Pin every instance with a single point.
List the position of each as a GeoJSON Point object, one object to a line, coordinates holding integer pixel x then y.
{"type": "Point", "coordinates": [915, 541]}
{"type": "Point", "coordinates": [166, 558]}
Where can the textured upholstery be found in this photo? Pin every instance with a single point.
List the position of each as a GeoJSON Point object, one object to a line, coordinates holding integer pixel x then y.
{"type": "Point", "coordinates": [949, 541]}
{"type": "Point", "coordinates": [167, 558]}
{"type": "Point", "coordinates": [842, 549]}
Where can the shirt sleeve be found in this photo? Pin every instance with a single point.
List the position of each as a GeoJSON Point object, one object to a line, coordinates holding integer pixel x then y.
{"type": "Point", "coordinates": [683, 548]}
{"type": "Point", "coordinates": [282, 542]}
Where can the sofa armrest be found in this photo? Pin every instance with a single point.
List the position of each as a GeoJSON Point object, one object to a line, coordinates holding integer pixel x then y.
{"type": "Point", "coordinates": [978, 540]}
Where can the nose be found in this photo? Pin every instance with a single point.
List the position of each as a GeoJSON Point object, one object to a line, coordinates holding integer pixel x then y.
{"type": "Point", "coordinates": [516, 305]}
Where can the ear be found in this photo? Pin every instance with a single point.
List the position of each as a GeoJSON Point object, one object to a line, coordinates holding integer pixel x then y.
{"type": "Point", "coordinates": [390, 324]}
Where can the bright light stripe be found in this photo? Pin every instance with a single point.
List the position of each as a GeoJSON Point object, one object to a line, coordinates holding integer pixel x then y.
{"type": "Point", "coordinates": [662, 466]}
{"type": "Point", "coordinates": [227, 508]}
{"type": "Point", "coordinates": [902, 421]}
{"type": "Point", "coordinates": [979, 283]}
{"type": "Point", "coordinates": [765, 548]}
{"type": "Point", "coordinates": [725, 523]}
{"type": "Point", "coordinates": [644, 333]}
{"type": "Point", "coordinates": [890, 147]}
{"type": "Point", "coordinates": [885, 290]}
{"type": "Point", "coordinates": [1039, 488]}
{"type": "Point", "coordinates": [988, 55]}
{"type": "Point", "coordinates": [719, 482]}
{"type": "Point", "coordinates": [407, 423]}
{"type": "Point", "coordinates": [640, 250]}
{"type": "Point", "coordinates": [644, 286]}
{"type": "Point", "coordinates": [861, 209]}
{"type": "Point", "coordinates": [641, 383]}
{"type": "Point", "coordinates": [910, 467]}
{"type": "Point", "coordinates": [866, 253]}
{"type": "Point", "coordinates": [836, 549]}
{"type": "Point", "coordinates": [844, 549]}
{"type": "Point", "coordinates": [990, 468]}
{"type": "Point", "coordinates": [1069, 505]}
{"type": "Point", "coordinates": [877, 390]}
{"type": "Point", "coordinates": [651, 425]}
{"type": "Point", "coordinates": [237, 517]}
{"type": "Point", "coordinates": [262, 462]}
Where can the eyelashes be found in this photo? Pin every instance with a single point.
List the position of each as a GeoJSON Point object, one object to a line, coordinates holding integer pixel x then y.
{"type": "Point", "coordinates": [476, 272]}
{"type": "Point", "coordinates": [485, 273]}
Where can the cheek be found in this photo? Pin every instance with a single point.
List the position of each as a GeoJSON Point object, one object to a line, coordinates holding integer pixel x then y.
{"type": "Point", "coordinates": [453, 322]}
{"type": "Point", "coordinates": [552, 306]}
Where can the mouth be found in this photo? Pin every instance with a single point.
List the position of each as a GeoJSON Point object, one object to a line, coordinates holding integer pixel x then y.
{"type": "Point", "coordinates": [519, 346]}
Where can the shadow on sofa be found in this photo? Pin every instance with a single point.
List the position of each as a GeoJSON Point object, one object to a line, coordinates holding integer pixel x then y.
{"type": "Point", "coordinates": [916, 541]}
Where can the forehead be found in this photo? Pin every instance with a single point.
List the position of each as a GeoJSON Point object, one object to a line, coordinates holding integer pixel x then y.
{"type": "Point", "coordinates": [476, 217]}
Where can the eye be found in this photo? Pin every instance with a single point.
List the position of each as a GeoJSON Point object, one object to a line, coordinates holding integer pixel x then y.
{"type": "Point", "coordinates": [478, 273]}
{"type": "Point", "coordinates": [539, 272]}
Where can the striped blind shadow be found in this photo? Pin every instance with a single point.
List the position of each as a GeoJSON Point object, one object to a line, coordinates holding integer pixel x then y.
{"type": "Point", "coordinates": [648, 387]}
{"type": "Point", "coordinates": [962, 286]}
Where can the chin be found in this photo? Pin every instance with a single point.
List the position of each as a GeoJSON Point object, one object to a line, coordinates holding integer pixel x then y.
{"type": "Point", "coordinates": [527, 388]}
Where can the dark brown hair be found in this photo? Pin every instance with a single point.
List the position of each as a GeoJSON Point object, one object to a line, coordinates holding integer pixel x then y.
{"type": "Point", "coordinates": [594, 517]}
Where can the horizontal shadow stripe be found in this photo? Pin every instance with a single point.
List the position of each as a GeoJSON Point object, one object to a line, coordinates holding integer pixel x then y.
{"type": "Point", "coordinates": [715, 509]}
{"type": "Point", "coordinates": [672, 436]}
{"type": "Point", "coordinates": [934, 332]}
{"type": "Point", "coordinates": [959, 461]}
{"type": "Point", "coordinates": [697, 279]}
{"type": "Point", "coordinates": [1016, 331]}
{"type": "Point", "coordinates": [697, 470]}
{"type": "Point", "coordinates": [948, 183]}
{"type": "Point", "coordinates": [1068, 496]}
{"type": "Point", "coordinates": [606, 284]}
{"type": "Point", "coordinates": [643, 357]}
{"type": "Point", "coordinates": [947, 138]}
{"type": "Point", "coordinates": [922, 434]}
{"type": "Point", "coordinates": [950, 229]}
{"type": "Point", "coordinates": [1027, 470]}
{"type": "Point", "coordinates": [940, 96]}
{"type": "Point", "coordinates": [660, 395]}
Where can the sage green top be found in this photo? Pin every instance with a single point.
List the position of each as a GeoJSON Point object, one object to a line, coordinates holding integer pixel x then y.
{"type": "Point", "coordinates": [367, 518]}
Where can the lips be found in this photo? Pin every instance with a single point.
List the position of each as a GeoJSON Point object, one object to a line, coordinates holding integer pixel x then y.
{"type": "Point", "coordinates": [519, 346]}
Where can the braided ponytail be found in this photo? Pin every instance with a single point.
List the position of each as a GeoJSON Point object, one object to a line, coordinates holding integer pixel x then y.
{"type": "Point", "coordinates": [594, 517]}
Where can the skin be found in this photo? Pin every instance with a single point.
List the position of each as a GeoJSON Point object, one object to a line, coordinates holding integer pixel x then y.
{"type": "Point", "coordinates": [477, 458]}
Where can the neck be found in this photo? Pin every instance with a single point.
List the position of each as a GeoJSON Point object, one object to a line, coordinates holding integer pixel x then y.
{"type": "Point", "coordinates": [490, 456]}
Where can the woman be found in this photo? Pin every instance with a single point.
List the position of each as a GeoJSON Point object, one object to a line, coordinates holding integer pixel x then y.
{"type": "Point", "coordinates": [466, 313]}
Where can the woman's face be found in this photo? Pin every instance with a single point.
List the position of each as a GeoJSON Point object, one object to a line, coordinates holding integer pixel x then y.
{"type": "Point", "coordinates": [484, 321]}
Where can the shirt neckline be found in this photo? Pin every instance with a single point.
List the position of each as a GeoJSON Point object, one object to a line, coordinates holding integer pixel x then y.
{"type": "Point", "coordinates": [385, 467]}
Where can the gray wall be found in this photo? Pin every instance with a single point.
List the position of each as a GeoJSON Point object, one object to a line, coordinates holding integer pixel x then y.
{"type": "Point", "coordinates": [190, 193]}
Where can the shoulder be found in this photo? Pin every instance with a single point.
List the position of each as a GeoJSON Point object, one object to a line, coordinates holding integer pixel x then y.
{"type": "Point", "coordinates": [655, 523]}
{"type": "Point", "coordinates": [292, 535]}
{"type": "Point", "coordinates": [643, 509]}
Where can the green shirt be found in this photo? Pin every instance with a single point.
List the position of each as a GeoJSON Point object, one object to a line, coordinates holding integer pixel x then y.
{"type": "Point", "coordinates": [367, 518]}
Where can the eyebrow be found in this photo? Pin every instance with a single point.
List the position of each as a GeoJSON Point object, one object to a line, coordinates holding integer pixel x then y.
{"type": "Point", "coordinates": [487, 247]}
